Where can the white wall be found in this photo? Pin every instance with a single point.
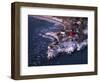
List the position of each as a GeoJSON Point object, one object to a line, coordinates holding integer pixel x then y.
{"type": "Point", "coordinates": [5, 39]}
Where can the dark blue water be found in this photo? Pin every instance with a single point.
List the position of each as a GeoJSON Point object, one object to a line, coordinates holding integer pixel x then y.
{"type": "Point", "coordinates": [37, 46]}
